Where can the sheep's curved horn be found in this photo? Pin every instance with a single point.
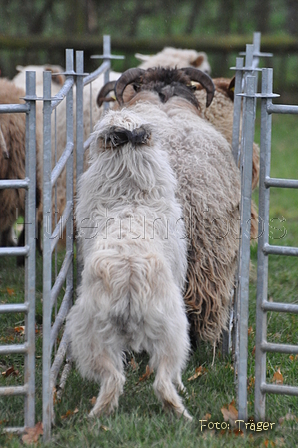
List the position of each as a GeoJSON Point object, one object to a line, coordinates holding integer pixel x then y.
{"type": "Point", "coordinates": [107, 88]}
{"type": "Point", "coordinates": [128, 77]}
{"type": "Point", "coordinates": [202, 78]}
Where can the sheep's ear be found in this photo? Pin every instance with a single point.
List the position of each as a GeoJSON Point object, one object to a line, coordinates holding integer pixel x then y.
{"type": "Point", "coordinates": [231, 88]}
{"type": "Point", "coordinates": [142, 57]}
{"type": "Point", "coordinates": [58, 78]}
{"type": "Point", "coordinates": [198, 61]}
{"type": "Point", "coordinates": [19, 68]}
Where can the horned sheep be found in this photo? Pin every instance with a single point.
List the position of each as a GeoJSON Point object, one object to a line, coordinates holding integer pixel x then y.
{"type": "Point", "coordinates": [135, 258]}
{"type": "Point", "coordinates": [208, 180]}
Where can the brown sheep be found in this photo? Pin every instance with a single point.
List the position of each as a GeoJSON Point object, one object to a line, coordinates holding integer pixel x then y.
{"type": "Point", "coordinates": [12, 162]}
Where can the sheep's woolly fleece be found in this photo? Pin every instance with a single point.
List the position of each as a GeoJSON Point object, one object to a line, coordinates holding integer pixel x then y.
{"type": "Point", "coordinates": [175, 57]}
{"type": "Point", "coordinates": [209, 192]}
{"type": "Point", "coordinates": [12, 155]}
{"type": "Point", "coordinates": [220, 114]}
{"type": "Point", "coordinates": [135, 259]}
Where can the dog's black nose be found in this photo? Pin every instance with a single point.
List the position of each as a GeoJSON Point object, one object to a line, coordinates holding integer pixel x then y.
{"type": "Point", "coordinates": [121, 136]}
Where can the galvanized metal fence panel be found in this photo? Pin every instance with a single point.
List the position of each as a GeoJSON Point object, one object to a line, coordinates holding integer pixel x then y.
{"type": "Point", "coordinates": [28, 250]}
{"type": "Point", "coordinates": [51, 327]}
{"type": "Point", "coordinates": [265, 249]}
{"type": "Point", "coordinates": [51, 289]}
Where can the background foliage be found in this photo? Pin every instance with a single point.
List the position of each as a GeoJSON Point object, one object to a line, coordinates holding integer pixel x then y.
{"type": "Point", "coordinates": [146, 26]}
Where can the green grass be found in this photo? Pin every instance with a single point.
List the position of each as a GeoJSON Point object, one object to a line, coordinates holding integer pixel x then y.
{"type": "Point", "coordinates": [139, 421]}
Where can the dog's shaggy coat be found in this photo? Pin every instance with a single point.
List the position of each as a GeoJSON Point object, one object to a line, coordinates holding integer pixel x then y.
{"type": "Point", "coordinates": [134, 251]}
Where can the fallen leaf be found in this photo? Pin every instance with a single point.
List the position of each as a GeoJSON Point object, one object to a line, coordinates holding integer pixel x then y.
{"type": "Point", "coordinates": [251, 383]}
{"type": "Point", "coordinates": [293, 358]}
{"type": "Point", "coordinates": [250, 331]}
{"type": "Point", "coordinates": [69, 413]}
{"type": "Point", "coordinates": [10, 371]}
{"type": "Point", "coordinates": [105, 428]}
{"type": "Point", "coordinates": [146, 374]}
{"type": "Point", "coordinates": [20, 330]}
{"type": "Point", "coordinates": [268, 443]}
{"type": "Point", "coordinates": [10, 291]}
{"type": "Point", "coordinates": [207, 416]}
{"type": "Point", "coordinates": [198, 372]}
{"type": "Point", "coordinates": [253, 351]}
{"type": "Point", "coordinates": [134, 364]}
{"type": "Point", "coordinates": [277, 377]}
{"type": "Point", "coordinates": [31, 435]}
{"type": "Point", "coordinates": [230, 414]}
{"type": "Point", "coordinates": [238, 432]}
{"type": "Point", "coordinates": [93, 400]}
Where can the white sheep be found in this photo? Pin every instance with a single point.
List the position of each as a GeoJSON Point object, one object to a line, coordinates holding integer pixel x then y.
{"type": "Point", "coordinates": [208, 187]}
{"type": "Point", "coordinates": [175, 57]}
{"type": "Point", "coordinates": [134, 252]}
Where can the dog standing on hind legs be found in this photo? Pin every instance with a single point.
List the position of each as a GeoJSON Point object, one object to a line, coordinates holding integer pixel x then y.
{"type": "Point", "coordinates": [135, 261]}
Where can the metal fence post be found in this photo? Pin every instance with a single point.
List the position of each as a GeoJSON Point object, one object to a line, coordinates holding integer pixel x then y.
{"type": "Point", "coordinates": [79, 143]}
{"type": "Point", "coordinates": [245, 209]}
{"type": "Point", "coordinates": [30, 235]}
{"type": "Point", "coordinates": [47, 257]}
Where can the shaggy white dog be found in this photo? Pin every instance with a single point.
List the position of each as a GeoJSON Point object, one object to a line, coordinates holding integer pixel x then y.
{"type": "Point", "coordinates": [134, 250]}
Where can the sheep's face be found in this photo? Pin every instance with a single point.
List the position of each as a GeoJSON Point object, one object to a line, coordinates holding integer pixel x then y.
{"type": "Point", "coordinates": [165, 82]}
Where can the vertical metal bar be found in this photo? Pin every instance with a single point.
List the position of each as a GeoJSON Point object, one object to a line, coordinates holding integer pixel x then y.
{"type": "Point", "coordinates": [79, 144]}
{"type": "Point", "coordinates": [237, 109]}
{"type": "Point", "coordinates": [257, 48]}
{"type": "Point", "coordinates": [30, 234]}
{"type": "Point", "coordinates": [262, 271]}
{"type": "Point", "coordinates": [246, 166]}
{"type": "Point", "coordinates": [107, 58]}
{"type": "Point", "coordinates": [47, 258]}
{"type": "Point", "coordinates": [69, 165]}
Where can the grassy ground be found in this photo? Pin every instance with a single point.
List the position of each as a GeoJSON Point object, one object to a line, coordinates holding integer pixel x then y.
{"type": "Point", "coordinates": [139, 421]}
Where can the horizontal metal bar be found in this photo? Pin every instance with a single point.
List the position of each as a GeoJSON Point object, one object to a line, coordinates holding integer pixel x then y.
{"type": "Point", "coordinates": [15, 183]}
{"type": "Point", "coordinates": [104, 67]}
{"type": "Point", "coordinates": [279, 389]}
{"type": "Point", "coordinates": [104, 56]}
{"type": "Point", "coordinates": [280, 250]}
{"type": "Point", "coordinates": [13, 349]}
{"type": "Point", "coordinates": [279, 348]}
{"type": "Point", "coordinates": [58, 231]}
{"type": "Point", "coordinates": [281, 183]}
{"type": "Point", "coordinates": [61, 276]}
{"type": "Point", "coordinates": [14, 390]}
{"type": "Point", "coordinates": [63, 311]}
{"type": "Point", "coordinates": [16, 429]}
{"type": "Point", "coordinates": [14, 308]}
{"type": "Point", "coordinates": [59, 97]}
{"type": "Point", "coordinates": [14, 108]}
{"type": "Point", "coordinates": [14, 251]}
{"type": "Point", "coordinates": [61, 162]}
{"type": "Point", "coordinates": [59, 357]}
{"type": "Point", "coordinates": [281, 109]}
{"type": "Point", "coordinates": [280, 307]}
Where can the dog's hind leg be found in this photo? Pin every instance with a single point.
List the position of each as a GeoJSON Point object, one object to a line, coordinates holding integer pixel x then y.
{"type": "Point", "coordinates": [168, 357]}
{"type": "Point", "coordinates": [166, 391]}
{"type": "Point", "coordinates": [110, 372]}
